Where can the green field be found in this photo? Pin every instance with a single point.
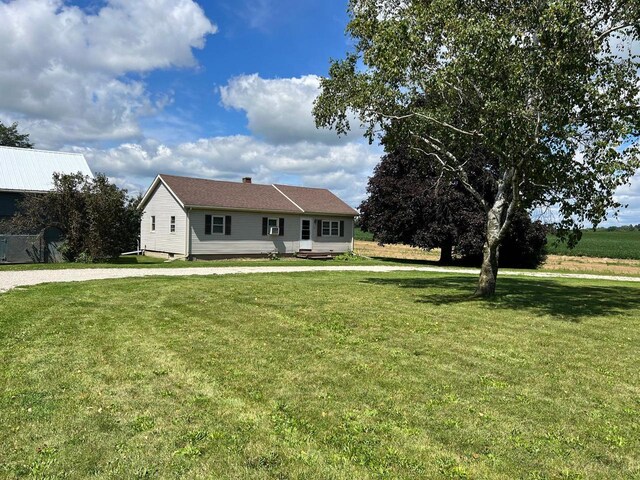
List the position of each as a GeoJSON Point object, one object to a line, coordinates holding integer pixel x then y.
{"type": "Point", "coordinates": [320, 375]}
{"type": "Point", "coordinates": [358, 234]}
{"type": "Point", "coordinates": [601, 243]}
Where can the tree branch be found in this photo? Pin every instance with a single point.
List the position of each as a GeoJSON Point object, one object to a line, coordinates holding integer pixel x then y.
{"type": "Point", "coordinates": [455, 168]}
{"type": "Point", "coordinates": [613, 8]}
{"type": "Point", "coordinates": [513, 203]}
{"type": "Point", "coordinates": [428, 118]}
{"type": "Point", "coordinates": [609, 31]}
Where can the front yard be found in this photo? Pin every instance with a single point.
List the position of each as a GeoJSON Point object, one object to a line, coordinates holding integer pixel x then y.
{"type": "Point", "coordinates": [320, 375]}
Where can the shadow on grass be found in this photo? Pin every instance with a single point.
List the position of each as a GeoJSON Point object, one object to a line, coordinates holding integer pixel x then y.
{"type": "Point", "coordinates": [545, 296]}
{"type": "Point", "coordinates": [433, 263]}
{"type": "Point", "coordinates": [134, 260]}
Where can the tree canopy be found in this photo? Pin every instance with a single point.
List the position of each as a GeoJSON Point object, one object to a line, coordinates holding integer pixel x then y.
{"type": "Point", "coordinates": [97, 219]}
{"type": "Point", "coordinates": [10, 137]}
{"type": "Point", "coordinates": [410, 203]}
{"type": "Point", "coordinates": [543, 94]}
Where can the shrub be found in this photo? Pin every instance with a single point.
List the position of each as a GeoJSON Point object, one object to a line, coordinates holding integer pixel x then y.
{"type": "Point", "coordinates": [96, 218]}
{"type": "Point", "coordinates": [350, 256]}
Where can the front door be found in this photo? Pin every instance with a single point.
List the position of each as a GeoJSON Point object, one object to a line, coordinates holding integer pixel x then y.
{"type": "Point", "coordinates": [305, 234]}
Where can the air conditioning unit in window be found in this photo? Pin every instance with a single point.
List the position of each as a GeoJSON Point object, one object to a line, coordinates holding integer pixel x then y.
{"type": "Point", "coordinates": [274, 231]}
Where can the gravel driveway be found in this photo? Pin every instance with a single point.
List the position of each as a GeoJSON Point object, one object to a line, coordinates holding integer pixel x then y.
{"type": "Point", "coordinates": [12, 279]}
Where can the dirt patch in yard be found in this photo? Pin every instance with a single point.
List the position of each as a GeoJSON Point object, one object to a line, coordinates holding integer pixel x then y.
{"type": "Point", "coordinates": [592, 265]}
{"type": "Point", "coordinates": [403, 252]}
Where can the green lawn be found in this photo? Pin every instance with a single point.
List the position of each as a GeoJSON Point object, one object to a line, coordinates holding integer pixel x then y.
{"type": "Point", "coordinates": [151, 262]}
{"type": "Point", "coordinates": [324, 375]}
{"type": "Point", "coordinates": [601, 243]}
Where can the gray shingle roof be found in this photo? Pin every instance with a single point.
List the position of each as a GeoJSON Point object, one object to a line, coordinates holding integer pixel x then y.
{"type": "Point", "coordinates": [316, 200]}
{"type": "Point", "coordinates": [199, 192]}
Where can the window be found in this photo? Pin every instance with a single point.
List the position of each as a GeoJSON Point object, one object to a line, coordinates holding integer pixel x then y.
{"type": "Point", "coordinates": [153, 223]}
{"type": "Point", "coordinates": [330, 228]}
{"type": "Point", "coordinates": [217, 224]}
{"type": "Point", "coordinates": [273, 226]}
{"type": "Point", "coordinates": [172, 228]}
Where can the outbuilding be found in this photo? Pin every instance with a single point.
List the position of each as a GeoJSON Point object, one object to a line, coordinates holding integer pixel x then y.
{"type": "Point", "coordinates": [26, 170]}
{"type": "Point", "coordinates": [199, 219]}
{"type": "Point", "coordinates": [29, 171]}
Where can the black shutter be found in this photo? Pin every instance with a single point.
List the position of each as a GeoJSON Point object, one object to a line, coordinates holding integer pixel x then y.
{"type": "Point", "coordinates": [207, 224]}
{"type": "Point", "coordinates": [319, 228]}
{"type": "Point", "coordinates": [227, 225]}
{"type": "Point", "coordinates": [281, 227]}
{"type": "Point", "coordinates": [265, 223]}
{"type": "Point", "coordinates": [342, 228]}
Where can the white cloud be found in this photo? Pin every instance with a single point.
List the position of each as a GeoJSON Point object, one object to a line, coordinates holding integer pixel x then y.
{"type": "Point", "coordinates": [124, 36]}
{"type": "Point", "coordinates": [628, 195]}
{"type": "Point", "coordinates": [280, 110]}
{"type": "Point", "coordinates": [341, 168]}
{"type": "Point", "coordinates": [63, 72]}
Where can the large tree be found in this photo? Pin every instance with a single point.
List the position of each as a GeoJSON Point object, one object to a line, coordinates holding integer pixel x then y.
{"type": "Point", "coordinates": [10, 137]}
{"type": "Point", "coordinates": [410, 203]}
{"type": "Point", "coordinates": [545, 91]}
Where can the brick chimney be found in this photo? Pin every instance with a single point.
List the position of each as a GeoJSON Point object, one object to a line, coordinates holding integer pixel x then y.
{"type": "Point", "coordinates": [246, 179]}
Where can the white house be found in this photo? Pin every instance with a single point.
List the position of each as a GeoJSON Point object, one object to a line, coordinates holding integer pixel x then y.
{"type": "Point", "coordinates": [198, 219]}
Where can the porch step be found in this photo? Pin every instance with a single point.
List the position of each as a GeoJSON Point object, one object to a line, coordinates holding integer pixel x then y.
{"type": "Point", "coordinates": [315, 255]}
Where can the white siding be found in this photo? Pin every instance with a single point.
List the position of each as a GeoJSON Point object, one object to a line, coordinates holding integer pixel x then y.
{"type": "Point", "coordinates": [332, 243]}
{"type": "Point", "coordinates": [246, 234]}
{"type": "Point", "coordinates": [162, 204]}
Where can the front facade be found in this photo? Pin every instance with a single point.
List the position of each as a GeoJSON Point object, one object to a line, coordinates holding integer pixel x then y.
{"type": "Point", "coordinates": [197, 218]}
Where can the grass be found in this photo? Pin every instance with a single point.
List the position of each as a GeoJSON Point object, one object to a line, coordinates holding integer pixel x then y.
{"type": "Point", "coordinates": [358, 234]}
{"type": "Point", "coordinates": [151, 262]}
{"type": "Point", "coordinates": [369, 253]}
{"type": "Point", "coordinates": [396, 252]}
{"type": "Point", "coordinates": [592, 265]}
{"type": "Point", "coordinates": [332, 375]}
{"type": "Point", "coordinates": [601, 243]}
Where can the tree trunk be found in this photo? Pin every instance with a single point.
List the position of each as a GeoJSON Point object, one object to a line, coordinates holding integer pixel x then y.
{"type": "Point", "coordinates": [499, 216]}
{"type": "Point", "coordinates": [488, 271]}
{"type": "Point", "coordinates": [446, 250]}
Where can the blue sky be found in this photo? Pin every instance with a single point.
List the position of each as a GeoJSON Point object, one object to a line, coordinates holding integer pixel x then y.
{"type": "Point", "coordinates": [218, 89]}
{"type": "Point", "coordinates": [279, 39]}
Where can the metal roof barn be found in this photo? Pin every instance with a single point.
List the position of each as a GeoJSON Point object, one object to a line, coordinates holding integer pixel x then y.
{"type": "Point", "coordinates": [27, 170]}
